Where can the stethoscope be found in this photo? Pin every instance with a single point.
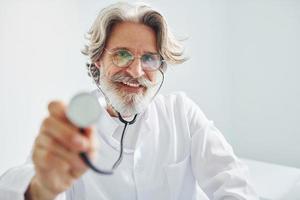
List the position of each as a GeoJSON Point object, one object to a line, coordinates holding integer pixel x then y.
{"type": "Point", "coordinates": [84, 110]}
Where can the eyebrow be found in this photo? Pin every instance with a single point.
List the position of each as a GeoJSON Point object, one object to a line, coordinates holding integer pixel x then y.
{"type": "Point", "coordinates": [125, 48]}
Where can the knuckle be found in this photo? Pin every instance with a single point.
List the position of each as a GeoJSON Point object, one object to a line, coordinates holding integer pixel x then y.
{"type": "Point", "coordinates": [52, 105]}
{"type": "Point", "coordinates": [36, 141]}
{"type": "Point", "coordinates": [75, 174]}
{"type": "Point", "coordinates": [75, 163]}
{"type": "Point", "coordinates": [64, 166]}
{"type": "Point", "coordinates": [58, 186]}
{"type": "Point", "coordinates": [36, 152]}
{"type": "Point", "coordinates": [34, 156]}
{"type": "Point", "coordinates": [67, 135]}
{"type": "Point", "coordinates": [56, 108]}
{"type": "Point", "coordinates": [65, 140]}
{"type": "Point", "coordinates": [39, 159]}
{"type": "Point", "coordinates": [47, 122]}
{"type": "Point", "coordinates": [67, 183]}
{"type": "Point", "coordinates": [50, 141]}
{"type": "Point", "coordinates": [50, 144]}
{"type": "Point", "coordinates": [48, 156]}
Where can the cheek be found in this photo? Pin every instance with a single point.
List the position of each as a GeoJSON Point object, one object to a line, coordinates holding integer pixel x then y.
{"type": "Point", "coordinates": [108, 68]}
{"type": "Point", "coordinates": [112, 71]}
{"type": "Point", "coordinates": [152, 76]}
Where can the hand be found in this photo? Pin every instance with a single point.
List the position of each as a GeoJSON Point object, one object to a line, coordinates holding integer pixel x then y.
{"type": "Point", "coordinates": [56, 154]}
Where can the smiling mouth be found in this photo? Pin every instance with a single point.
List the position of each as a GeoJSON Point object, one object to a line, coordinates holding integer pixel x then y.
{"type": "Point", "coordinates": [136, 85]}
{"type": "Point", "coordinates": [131, 87]}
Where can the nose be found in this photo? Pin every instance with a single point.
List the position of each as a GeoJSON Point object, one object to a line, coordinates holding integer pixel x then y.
{"type": "Point", "coordinates": [135, 68]}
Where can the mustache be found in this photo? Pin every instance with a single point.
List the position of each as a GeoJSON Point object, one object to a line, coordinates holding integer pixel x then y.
{"type": "Point", "coordinates": [124, 77]}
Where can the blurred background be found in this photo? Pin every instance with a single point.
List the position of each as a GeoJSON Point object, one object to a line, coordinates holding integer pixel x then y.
{"type": "Point", "coordinates": [243, 71]}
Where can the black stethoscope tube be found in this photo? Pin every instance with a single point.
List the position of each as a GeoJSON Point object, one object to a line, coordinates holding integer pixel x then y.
{"type": "Point", "coordinates": [88, 162]}
{"type": "Point", "coordinates": [85, 157]}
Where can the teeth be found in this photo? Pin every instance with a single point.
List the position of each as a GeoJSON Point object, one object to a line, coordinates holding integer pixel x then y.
{"type": "Point", "coordinates": [131, 84]}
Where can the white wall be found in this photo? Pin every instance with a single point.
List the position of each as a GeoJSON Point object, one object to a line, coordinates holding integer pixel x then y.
{"type": "Point", "coordinates": [265, 61]}
{"type": "Point", "coordinates": [242, 72]}
{"type": "Point", "coordinates": [39, 60]}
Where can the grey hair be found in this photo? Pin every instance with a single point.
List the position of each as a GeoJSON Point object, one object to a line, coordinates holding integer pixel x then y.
{"type": "Point", "coordinates": [168, 46]}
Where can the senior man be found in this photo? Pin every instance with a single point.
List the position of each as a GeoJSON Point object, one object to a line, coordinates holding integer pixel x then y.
{"type": "Point", "coordinates": [172, 151]}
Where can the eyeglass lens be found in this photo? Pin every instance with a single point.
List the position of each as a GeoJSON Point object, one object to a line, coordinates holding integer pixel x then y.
{"type": "Point", "coordinates": [149, 61]}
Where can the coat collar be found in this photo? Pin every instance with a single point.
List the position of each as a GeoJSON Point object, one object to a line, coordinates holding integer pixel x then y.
{"type": "Point", "coordinates": [107, 125]}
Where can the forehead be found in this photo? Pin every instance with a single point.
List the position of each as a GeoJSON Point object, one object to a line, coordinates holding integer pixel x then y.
{"type": "Point", "coordinates": [133, 36]}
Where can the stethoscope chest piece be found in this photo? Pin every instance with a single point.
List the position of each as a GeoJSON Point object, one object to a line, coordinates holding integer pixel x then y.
{"type": "Point", "coordinates": [84, 110]}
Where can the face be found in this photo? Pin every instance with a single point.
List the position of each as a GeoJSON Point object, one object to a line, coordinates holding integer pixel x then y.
{"type": "Point", "coordinates": [129, 89]}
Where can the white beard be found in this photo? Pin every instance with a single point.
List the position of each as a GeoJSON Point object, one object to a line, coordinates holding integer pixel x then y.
{"type": "Point", "coordinates": [127, 104]}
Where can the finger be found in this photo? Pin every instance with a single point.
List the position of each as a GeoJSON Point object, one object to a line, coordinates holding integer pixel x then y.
{"type": "Point", "coordinates": [55, 175]}
{"type": "Point", "coordinates": [58, 110]}
{"type": "Point", "coordinates": [89, 133]}
{"type": "Point", "coordinates": [76, 173]}
{"type": "Point", "coordinates": [65, 134]}
{"type": "Point", "coordinates": [47, 161]}
{"type": "Point", "coordinates": [94, 143]}
{"type": "Point", "coordinates": [57, 149]}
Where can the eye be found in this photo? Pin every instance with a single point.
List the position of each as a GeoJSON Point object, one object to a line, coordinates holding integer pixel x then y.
{"type": "Point", "coordinates": [151, 61]}
{"type": "Point", "coordinates": [148, 58]}
{"type": "Point", "coordinates": [122, 58]}
{"type": "Point", "coordinates": [123, 54]}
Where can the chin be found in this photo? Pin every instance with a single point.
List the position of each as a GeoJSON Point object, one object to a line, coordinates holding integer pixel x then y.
{"type": "Point", "coordinates": [128, 104]}
{"type": "Point", "coordinates": [126, 101]}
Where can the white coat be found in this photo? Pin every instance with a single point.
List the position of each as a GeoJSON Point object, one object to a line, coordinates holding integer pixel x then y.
{"type": "Point", "coordinates": [172, 152]}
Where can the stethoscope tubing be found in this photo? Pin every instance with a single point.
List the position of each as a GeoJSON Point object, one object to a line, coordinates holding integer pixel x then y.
{"type": "Point", "coordinates": [85, 158]}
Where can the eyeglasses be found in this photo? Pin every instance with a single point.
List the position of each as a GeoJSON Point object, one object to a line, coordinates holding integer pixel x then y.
{"type": "Point", "coordinates": [123, 58]}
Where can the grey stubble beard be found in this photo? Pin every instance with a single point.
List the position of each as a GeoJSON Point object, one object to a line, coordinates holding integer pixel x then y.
{"type": "Point", "coordinates": [127, 104]}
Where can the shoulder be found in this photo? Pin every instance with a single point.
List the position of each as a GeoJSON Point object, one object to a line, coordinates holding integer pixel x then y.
{"type": "Point", "coordinates": [179, 106]}
{"type": "Point", "coordinates": [178, 99]}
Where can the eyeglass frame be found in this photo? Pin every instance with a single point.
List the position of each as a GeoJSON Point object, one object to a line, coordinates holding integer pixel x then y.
{"type": "Point", "coordinates": [110, 52]}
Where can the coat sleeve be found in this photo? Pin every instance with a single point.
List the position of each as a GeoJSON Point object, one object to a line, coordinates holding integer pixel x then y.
{"type": "Point", "coordinates": [15, 181]}
{"type": "Point", "coordinates": [218, 171]}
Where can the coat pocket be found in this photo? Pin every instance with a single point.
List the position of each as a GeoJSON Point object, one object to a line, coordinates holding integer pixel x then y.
{"type": "Point", "coordinates": [176, 175]}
